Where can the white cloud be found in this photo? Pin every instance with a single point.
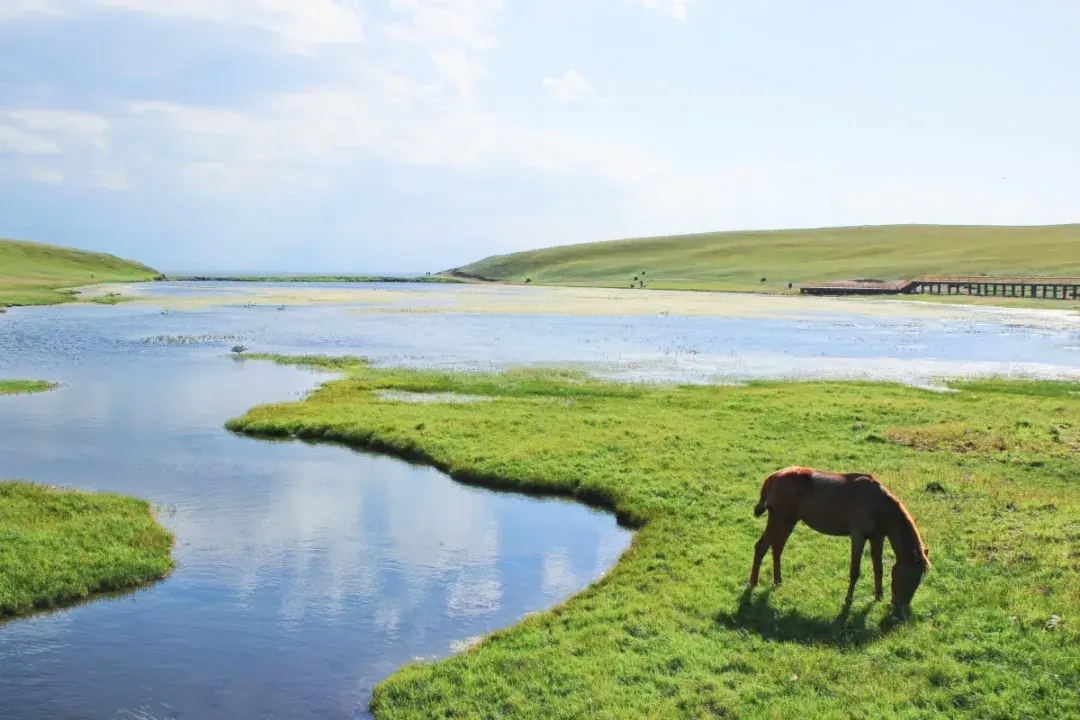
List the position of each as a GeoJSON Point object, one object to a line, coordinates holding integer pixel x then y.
{"type": "Point", "coordinates": [300, 138]}
{"type": "Point", "coordinates": [18, 8]}
{"type": "Point", "coordinates": [409, 96]}
{"type": "Point", "coordinates": [45, 175]}
{"type": "Point", "coordinates": [50, 132]}
{"type": "Point", "coordinates": [14, 141]}
{"type": "Point", "coordinates": [464, 22]}
{"type": "Point", "coordinates": [77, 127]}
{"type": "Point", "coordinates": [569, 87]}
{"type": "Point", "coordinates": [451, 33]}
{"type": "Point", "coordinates": [301, 25]}
{"type": "Point", "coordinates": [110, 180]}
{"type": "Point", "coordinates": [674, 8]}
{"type": "Point", "coordinates": [73, 140]}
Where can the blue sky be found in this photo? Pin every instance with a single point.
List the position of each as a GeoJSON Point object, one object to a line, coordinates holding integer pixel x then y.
{"type": "Point", "coordinates": [411, 135]}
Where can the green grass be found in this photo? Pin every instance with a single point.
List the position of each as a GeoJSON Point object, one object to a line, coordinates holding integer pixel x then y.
{"type": "Point", "coordinates": [671, 631]}
{"type": "Point", "coordinates": [59, 546]}
{"type": "Point", "coordinates": [37, 274]}
{"type": "Point", "coordinates": [738, 260]}
{"type": "Point", "coordinates": [21, 387]}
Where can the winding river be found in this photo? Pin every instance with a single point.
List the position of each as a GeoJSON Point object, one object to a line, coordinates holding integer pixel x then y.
{"type": "Point", "coordinates": [307, 573]}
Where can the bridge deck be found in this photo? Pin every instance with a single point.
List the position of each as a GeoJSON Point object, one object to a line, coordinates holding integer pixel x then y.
{"type": "Point", "coordinates": [1057, 288]}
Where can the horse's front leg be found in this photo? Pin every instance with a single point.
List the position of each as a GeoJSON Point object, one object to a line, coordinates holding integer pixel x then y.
{"type": "Point", "coordinates": [876, 547]}
{"type": "Point", "coordinates": [858, 542]}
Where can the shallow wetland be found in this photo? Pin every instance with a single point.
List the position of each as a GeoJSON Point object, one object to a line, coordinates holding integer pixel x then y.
{"type": "Point", "coordinates": [307, 573]}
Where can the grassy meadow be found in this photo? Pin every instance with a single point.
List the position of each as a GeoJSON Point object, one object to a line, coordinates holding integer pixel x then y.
{"type": "Point", "coordinates": [738, 260]}
{"type": "Point", "coordinates": [59, 546]}
{"type": "Point", "coordinates": [989, 472]}
{"type": "Point", "coordinates": [38, 274]}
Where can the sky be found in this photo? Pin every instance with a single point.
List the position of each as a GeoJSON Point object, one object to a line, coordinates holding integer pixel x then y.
{"type": "Point", "coordinates": [417, 135]}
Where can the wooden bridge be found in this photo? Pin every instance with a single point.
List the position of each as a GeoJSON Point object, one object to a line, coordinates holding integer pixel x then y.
{"type": "Point", "coordinates": [1059, 288]}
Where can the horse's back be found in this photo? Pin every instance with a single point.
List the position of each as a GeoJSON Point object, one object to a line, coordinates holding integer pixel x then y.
{"type": "Point", "coordinates": [837, 503]}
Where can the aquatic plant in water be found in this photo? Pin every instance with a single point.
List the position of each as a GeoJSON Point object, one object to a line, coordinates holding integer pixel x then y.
{"type": "Point", "coordinates": [207, 338]}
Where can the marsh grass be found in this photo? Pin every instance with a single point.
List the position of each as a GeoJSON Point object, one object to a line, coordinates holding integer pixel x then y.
{"type": "Point", "coordinates": [202, 339]}
{"type": "Point", "coordinates": [325, 363]}
{"type": "Point", "coordinates": [25, 387]}
{"type": "Point", "coordinates": [109, 298]}
{"type": "Point", "coordinates": [59, 546]}
{"type": "Point", "coordinates": [671, 630]}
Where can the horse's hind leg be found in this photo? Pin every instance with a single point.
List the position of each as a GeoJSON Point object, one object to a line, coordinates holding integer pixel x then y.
{"type": "Point", "coordinates": [780, 536]}
{"type": "Point", "coordinates": [876, 546]}
{"type": "Point", "coordinates": [775, 535]}
{"type": "Point", "coordinates": [858, 542]}
{"type": "Point", "coordinates": [760, 549]}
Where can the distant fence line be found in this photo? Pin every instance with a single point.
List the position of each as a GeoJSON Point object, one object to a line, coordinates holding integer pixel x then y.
{"type": "Point", "coordinates": [1051, 288]}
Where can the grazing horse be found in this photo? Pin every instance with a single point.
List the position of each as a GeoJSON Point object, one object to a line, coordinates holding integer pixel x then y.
{"type": "Point", "coordinates": [852, 504]}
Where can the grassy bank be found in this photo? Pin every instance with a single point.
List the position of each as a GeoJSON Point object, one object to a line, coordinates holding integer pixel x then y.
{"type": "Point", "coordinates": [37, 274]}
{"type": "Point", "coordinates": [738, 260]}
{"type": "Point", "coordinates": [671, 631]}
{"type": "Point", "coordinates": [58, 546]}
{"type": "Point", "coordinates": [21, 387]}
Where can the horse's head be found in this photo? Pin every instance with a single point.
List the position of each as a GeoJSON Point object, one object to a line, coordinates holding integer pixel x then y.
{"type": "Point", "coordinates": [907, 573]}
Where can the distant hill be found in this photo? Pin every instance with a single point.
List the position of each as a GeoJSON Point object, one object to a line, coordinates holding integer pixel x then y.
{"type": "Point", "coordinates": [738, 260]}
{"type": "Point", "coordinates": [38, 274]}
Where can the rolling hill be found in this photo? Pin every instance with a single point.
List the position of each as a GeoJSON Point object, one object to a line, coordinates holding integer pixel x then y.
{"type": "Point", "coordinates": [38, 274]}
{"type": "Point", "coordinates": [739, 260]}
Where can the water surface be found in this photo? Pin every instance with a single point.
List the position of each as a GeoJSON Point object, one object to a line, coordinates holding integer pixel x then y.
{"type": "Point", "coordinates": [309, 572]}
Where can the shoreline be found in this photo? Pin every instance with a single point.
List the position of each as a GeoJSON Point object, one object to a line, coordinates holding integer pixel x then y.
{"type": "Point", "coordinates": [684, 570]}
{"type": "Point", "coordinates": [588, 299]}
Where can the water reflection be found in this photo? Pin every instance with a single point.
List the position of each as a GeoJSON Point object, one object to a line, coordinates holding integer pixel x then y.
{"type": "Point", "coordinates": [306, 572]}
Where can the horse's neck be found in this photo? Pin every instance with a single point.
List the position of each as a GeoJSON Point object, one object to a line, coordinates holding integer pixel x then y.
{"type": "Point", "coordinates": [902, 536]}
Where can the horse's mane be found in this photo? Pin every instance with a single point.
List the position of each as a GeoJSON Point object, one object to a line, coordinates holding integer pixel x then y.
{"type": "Point", "coordinates": [902, 510]}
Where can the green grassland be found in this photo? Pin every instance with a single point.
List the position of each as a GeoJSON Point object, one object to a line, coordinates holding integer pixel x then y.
{"type": "Point", "coordinates": [37, 274]}
{"type": "Point", "coordinates": [738, 260]}
{"type": "Point", "coordinates": [58, 546]}
{"type": "Point", "coordinates": [22, 387]}
{"type": "Point", "coordinates": [672, 630]}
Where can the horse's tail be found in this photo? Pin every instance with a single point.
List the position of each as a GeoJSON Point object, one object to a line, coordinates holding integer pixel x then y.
{"type": "Point", "coordinates": [793, 471]}
{"type": "Point", "coordinates": [762, 505]}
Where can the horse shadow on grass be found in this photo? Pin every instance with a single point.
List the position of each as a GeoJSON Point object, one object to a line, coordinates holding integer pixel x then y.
{"type": "Point", "coordinates": [849, 628]}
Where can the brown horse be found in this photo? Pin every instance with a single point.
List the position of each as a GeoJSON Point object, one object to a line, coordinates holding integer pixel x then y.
{"type": "Point", "coordinates": [852, 504]}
